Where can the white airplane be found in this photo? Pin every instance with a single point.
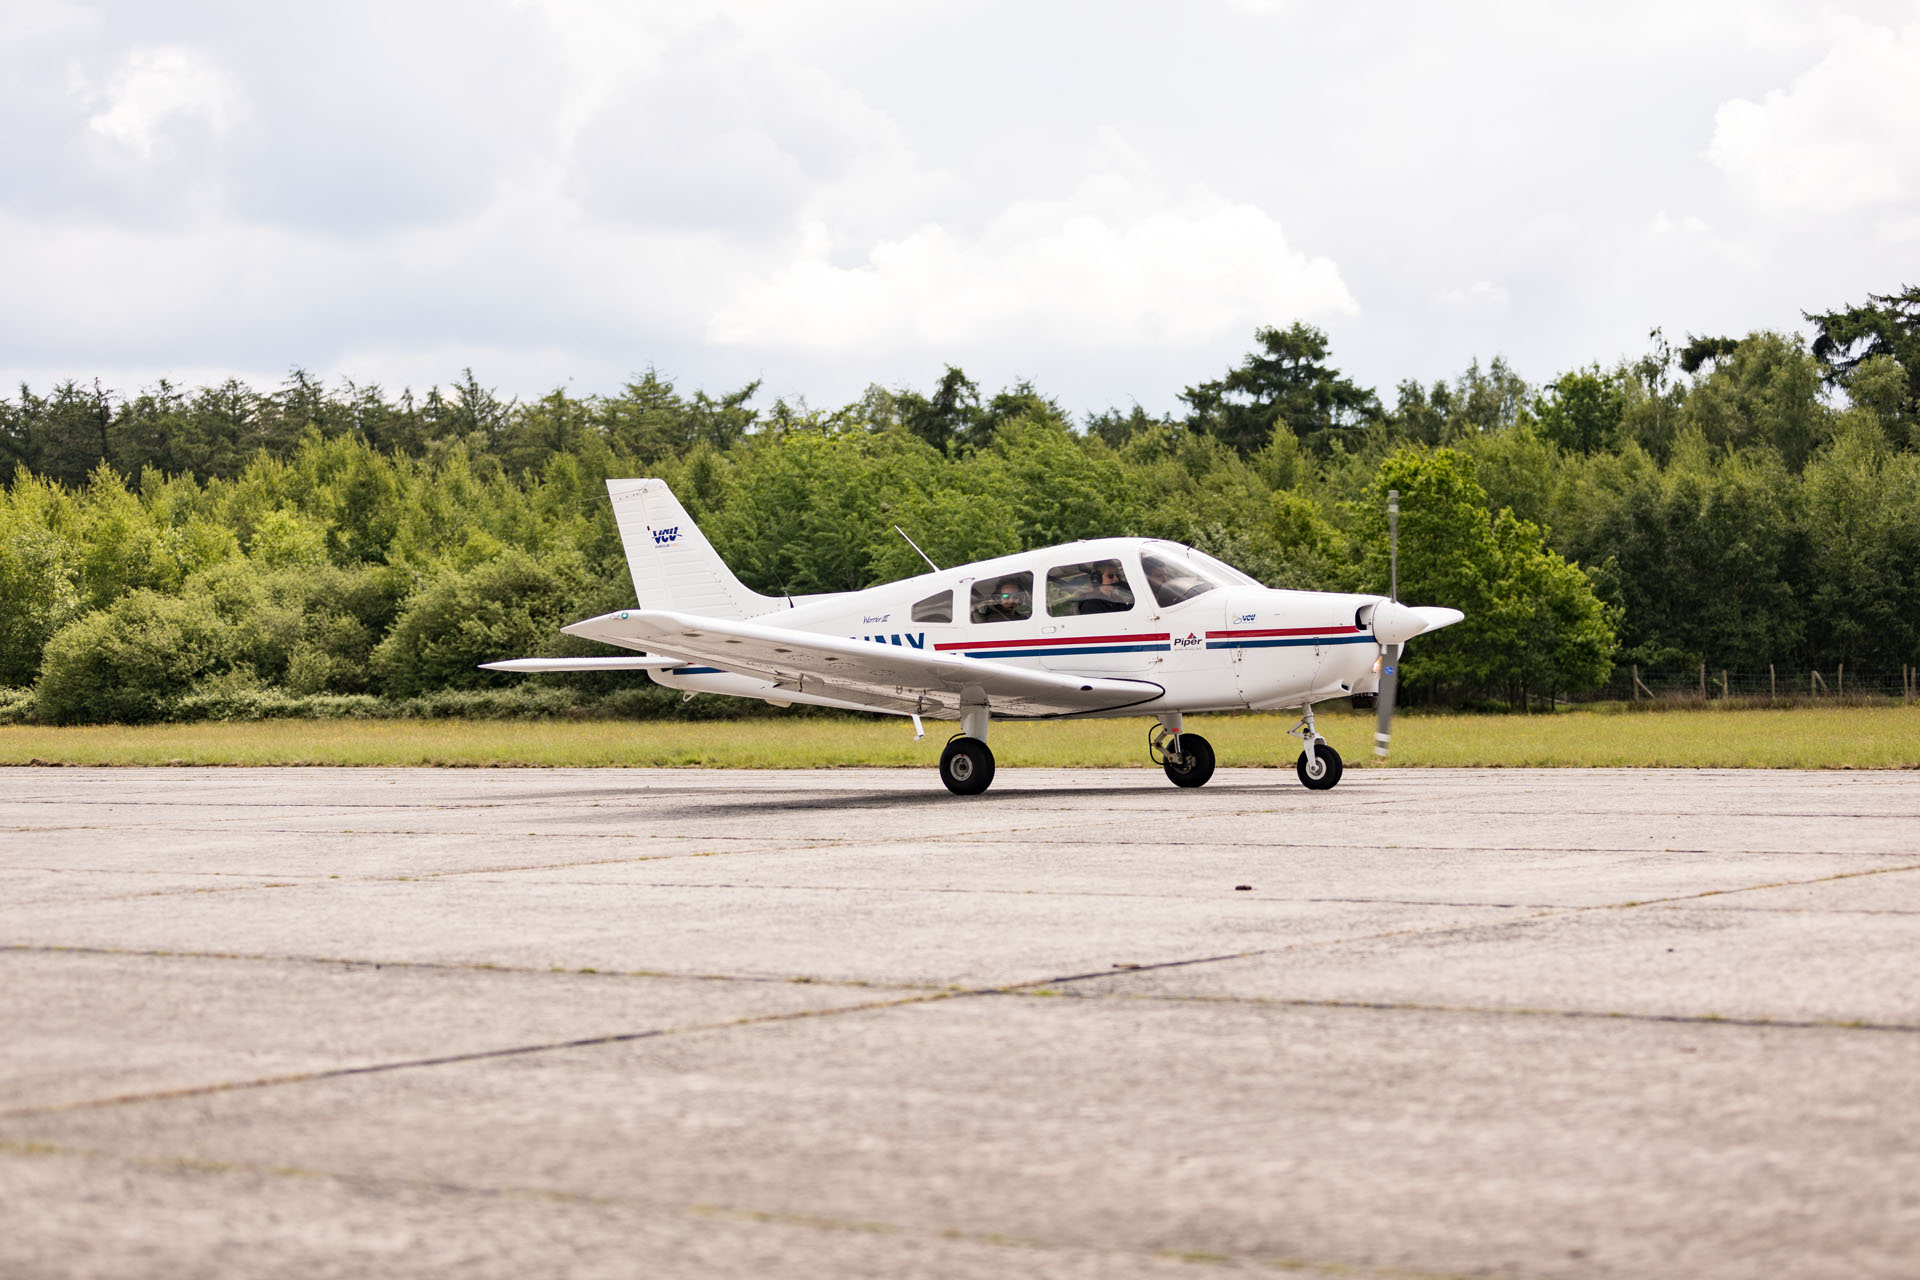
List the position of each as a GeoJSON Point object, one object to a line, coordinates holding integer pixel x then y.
{"type": "Point", "coordinates": [1107, 627]}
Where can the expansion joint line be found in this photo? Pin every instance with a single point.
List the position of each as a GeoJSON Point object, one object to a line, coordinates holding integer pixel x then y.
{"type": "Point", "coordinates": [1036, 986]}
{"type": "Point", "coordinates": [479, 1055]}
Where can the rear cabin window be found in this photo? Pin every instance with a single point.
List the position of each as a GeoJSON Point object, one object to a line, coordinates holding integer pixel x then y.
{"type": "Point", "coordinates": [1093, 586]}
{"type": "Point", "coordinates": [935, 608]}
{"type": "Point", "coordinates": [1007, 598]}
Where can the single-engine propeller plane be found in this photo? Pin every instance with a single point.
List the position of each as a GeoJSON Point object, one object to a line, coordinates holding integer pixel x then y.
{"type": "Point", "coordinates": [1107, 627]}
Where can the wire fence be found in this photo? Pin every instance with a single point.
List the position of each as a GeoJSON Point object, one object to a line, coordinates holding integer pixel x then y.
{"type": "Point", "coordinates": [1706, 683]}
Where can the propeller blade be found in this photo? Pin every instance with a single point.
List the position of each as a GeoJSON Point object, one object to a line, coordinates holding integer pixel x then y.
{"type": "Point", "coordinates": [1389, 685]}
{"type": "Point", "coordinates": [1393, 544]}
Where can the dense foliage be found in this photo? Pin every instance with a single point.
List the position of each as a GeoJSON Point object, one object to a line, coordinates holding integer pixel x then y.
{"type": "Point", "coordinates": [312, 551]}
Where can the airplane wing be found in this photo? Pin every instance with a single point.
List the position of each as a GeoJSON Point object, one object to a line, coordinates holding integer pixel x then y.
{"type": "Point", "coordinates": [883, 676]}
{"type": "Point", "coordinates": [643, 662]}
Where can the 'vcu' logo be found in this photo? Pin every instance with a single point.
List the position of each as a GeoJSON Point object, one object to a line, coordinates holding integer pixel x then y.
{"type": "Point", "coordinates": [663, 536]}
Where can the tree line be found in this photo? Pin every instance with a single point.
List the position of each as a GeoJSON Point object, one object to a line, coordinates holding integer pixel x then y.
{"type": "Point", "coordinates": [340, 550]}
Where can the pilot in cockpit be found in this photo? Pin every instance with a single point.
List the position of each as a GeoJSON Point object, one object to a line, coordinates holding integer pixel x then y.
{"type": "Point", "coordinates": [1107, 590]}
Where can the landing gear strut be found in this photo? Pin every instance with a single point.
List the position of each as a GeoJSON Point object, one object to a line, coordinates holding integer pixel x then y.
{"type": "Point", "coordinates": [1187, 757]}
{"type": "Point", "coordinates": [1319, 765]}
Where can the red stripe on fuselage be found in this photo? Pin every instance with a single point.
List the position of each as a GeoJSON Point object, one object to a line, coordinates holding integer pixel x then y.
{"type": "Point", "coordinates": [1283, 631]}
{"type": "Point", "coordinates": [1052, 641]}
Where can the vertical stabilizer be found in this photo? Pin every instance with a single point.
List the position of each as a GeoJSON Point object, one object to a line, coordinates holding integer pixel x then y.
{"type": "Point", "coordinates": [673, 564]}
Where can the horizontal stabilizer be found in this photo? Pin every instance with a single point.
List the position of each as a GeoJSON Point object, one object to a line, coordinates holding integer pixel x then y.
{"type": "Point", "coordinates": [639, 662]}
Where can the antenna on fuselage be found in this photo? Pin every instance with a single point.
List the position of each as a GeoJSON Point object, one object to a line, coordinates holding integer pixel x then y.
{"type": "Point", "coordinates": [916, 546]}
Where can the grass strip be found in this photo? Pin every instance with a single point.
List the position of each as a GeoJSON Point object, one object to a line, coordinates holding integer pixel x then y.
{"type": "Point", "coordinates": [1884, 737]}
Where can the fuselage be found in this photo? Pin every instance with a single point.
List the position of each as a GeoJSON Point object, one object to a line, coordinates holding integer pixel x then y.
{"type": "Point", "coordinates": [1205, 635]}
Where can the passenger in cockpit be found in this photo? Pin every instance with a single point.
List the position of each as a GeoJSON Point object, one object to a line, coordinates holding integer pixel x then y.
{"type": "Point", "coordinates": [1010, 601]}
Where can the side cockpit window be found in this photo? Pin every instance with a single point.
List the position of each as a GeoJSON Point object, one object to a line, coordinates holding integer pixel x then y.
{"type": "Point", "coordinates": [1173, 580]}
{"type": "Point", "coordinates": [1093, 586]}
{"type": "Point", "coordinates": [935, 608]}
{"type": "Point", "coordinates": [1007, 598]}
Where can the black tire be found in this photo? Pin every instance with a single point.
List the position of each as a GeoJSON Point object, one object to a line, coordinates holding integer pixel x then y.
{"type": "Point", "coordinates": [966, 766]}
{"type": "Point", "coordinates": [1196, 764]}
{"type": "Point", "coordinates": [1330, 768]}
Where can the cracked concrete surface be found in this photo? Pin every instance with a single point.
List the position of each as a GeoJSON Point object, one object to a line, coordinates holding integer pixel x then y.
{"type": "Point", "coordinates": [1525, 1023]}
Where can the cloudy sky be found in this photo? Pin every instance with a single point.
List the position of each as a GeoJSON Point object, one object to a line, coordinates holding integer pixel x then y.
{"type": "Point", "coordinates": [1104, 198]}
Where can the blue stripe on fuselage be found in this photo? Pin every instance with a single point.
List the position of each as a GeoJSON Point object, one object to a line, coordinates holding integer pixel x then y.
{"type": "Point", "coordinates": [1056, 653]}
{"type": "Point", "coordinates": [1289, 642]}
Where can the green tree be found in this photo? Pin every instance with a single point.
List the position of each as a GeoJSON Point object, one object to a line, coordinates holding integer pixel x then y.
{"type": "Point", "coordinates": [39, 574]}
{"type": "Point", "coordinates": [1887, 324]}
{"type": "Point", "coordinates": [62, 436]}
{"type": "Point", "coordinates": [1286, 380]}
{"type": "Point", "coordinates": [1486, 401]}
{"type": "Point", "coordinates": [1581, 412]}
{"type": "Point", "coordinates": [1882, 387]}
{"type": "Point", "coordinates": [129, 663]}
{"type": "Point", "coordinates": [1115, 428]}
{"type": "Point", "coordinates": [122, 547]}
{"type": "Point", "coordinates": [1862, 520]}
{"type": "Point", "coordinates": [1767, 391]}
{"type": "Point", "coordinates": [553, 425]}
{"type": "Point", "coordinates": [1705, 351]}
{"type": "Point", "coordinates": [1534, 625]}
{"type": "Point", "coordinates": [505, 607]}
{"type": "Point", "coordinates": [951, 418]}
{"type": "Point", "coordinates": [650, 422]}
{"type": "Point", "coordinates": [1420, 415]}
{"type": "Point", "coordinates": [1704, 554]}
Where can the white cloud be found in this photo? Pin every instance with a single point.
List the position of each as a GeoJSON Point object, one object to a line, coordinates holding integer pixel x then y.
{"type": "Point", "coordinates": [1480, 296]}
{"type": "Point", "coordinates": [153, 88]}
{"type": "Point", "coordinates": [1844, 135]}
{"type": "Point", "coordinates": [1110, 266]}
{"type": "Point", "coordinates": [848, 191]}
{"type": "Point", "coordinates": [1665, 226]}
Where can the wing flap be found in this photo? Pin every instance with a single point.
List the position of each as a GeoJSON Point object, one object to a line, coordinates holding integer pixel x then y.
{"type": "Point", "coordinates": [883, 675]}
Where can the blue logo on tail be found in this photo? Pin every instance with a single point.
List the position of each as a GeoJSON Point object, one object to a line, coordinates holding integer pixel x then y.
{"type": "Point", "coordinates": [663, 536]}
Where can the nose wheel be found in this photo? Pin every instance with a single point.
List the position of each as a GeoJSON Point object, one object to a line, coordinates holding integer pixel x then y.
{"type": "Point", "coordinates": [966, 766]}
{"type": "Point", "coordinates": [1320, 771]}
{"type": "Point", "coordinates": [1319, 765]}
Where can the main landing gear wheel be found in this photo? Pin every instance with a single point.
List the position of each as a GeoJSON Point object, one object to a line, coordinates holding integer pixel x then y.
{"type": "Point", "coordinates": [1194, 765]}
{"type": "Point", "coordinates": [1325, 770]}
{"type": "Point", "coordinates": [966, 766]}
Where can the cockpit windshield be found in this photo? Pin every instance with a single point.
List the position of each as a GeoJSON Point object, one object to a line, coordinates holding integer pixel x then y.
{"type": "Point", "coordinates": [1178, 573]}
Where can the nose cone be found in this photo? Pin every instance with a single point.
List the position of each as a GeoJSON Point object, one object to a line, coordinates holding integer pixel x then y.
{"type": "Point", "coordinates": [1396, 623]}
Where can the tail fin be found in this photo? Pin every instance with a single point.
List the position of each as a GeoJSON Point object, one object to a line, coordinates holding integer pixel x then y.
{"type": "Point", "coordinates": [673, 564]}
